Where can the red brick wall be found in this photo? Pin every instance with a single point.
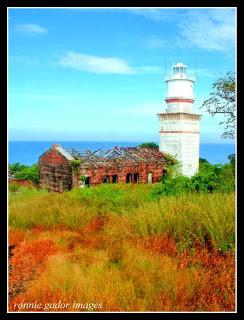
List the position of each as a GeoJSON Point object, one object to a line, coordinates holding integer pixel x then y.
{"type": "Point", "coordinates": [55, 171]}
{"type": "Point", "coordinates": [54, 157]}
{"type": "Point", "coordinates": [97, 174]}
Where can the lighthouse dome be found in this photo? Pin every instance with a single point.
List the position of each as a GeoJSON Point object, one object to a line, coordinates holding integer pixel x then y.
{"type": "Point", "coordinates": [179, 68]}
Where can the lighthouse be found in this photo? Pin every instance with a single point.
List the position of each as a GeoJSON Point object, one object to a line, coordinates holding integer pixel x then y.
{"type": "Point", "coordinates": [179, 126]}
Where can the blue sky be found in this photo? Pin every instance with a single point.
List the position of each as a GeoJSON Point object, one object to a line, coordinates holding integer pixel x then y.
{"type": "Point", "coordinates": [97, 74]}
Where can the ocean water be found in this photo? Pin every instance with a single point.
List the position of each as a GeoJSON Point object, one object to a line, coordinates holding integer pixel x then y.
{"type": "Point", "coordinates": [28, 152]}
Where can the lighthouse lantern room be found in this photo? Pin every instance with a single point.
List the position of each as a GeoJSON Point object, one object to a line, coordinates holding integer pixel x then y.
{"type": "Point", "coordinates": [179, 126]}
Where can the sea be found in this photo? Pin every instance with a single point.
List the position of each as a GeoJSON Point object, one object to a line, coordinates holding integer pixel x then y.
{"type": "Point", "coordinates": [28, 152]}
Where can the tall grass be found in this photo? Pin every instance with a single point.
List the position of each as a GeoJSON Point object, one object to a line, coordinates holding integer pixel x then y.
{"type": "Point", "coordinates": [141, 281]}
{"type": "Point", "coordinates": [117, 246]}
{"type": "Point", "coordinates": [189, 218]}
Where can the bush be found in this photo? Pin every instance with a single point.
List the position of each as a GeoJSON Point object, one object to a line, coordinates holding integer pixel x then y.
{"type": "Point", "coordinates": [29, 173]}
{"type": "Point", "coordinates": [148, 145]}
{"type": "Point", "coordinates": [16, 167]}
{"type": "Point", "coordinates": [210, 178]}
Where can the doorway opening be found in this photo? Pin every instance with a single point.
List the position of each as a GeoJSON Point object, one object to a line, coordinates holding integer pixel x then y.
{"type": "Point", "coordinates": [136, 177]}
{"type": "Point", "coordinates": [129, 178]}
{"type": "Point", "coordinates": [106, 179]}
{"type": "Point", "coordinates": [88, 182]}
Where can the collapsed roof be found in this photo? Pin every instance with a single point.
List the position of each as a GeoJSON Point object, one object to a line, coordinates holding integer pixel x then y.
{"type": "Point", "coordinates": [117, 154]}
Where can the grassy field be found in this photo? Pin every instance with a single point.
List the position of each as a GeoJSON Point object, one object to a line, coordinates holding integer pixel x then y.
{"type": "Point", "coordinates": [121, 248]}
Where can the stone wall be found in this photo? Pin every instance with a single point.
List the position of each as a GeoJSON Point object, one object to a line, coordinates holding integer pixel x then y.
{"type": "Point", "coordinates": [97, 174]}
{"type": "Point", "coordinates": [55, 171]}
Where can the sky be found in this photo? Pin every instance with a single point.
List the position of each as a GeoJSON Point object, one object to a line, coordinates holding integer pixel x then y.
{"type": "Point", "coordinates": [98, 74]}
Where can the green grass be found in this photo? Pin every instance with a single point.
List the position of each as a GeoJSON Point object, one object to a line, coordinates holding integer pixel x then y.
{"type": "Point", "coordinates": [120, 246]}
{"type": "Point", "coordinates": [132, 212]}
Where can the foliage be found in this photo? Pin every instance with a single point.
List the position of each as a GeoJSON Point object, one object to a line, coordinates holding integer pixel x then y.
{"type": "Point", "coordinates": [29, 173]}
{"type": "Point", "coordinates": [16, 167]}
{"type": "Point", "coordinates": [131, 210]}
{"type": "Point", "coordinates": [202, 160]}
{"type": "Point", "coordinates": [223, 101]}
{"type": "Point", "coordinates": [75, 165]}
{"type": "Point", "coordinates": [172, 168]}
{"type": "Point", "coordinates": [83, 178]}
{"type": "Point", "coordinates": [232, 159]}
{"type": "Point", "coordinates": [210, 178]}
{"type": "Point", "coordinates": [148, 145]}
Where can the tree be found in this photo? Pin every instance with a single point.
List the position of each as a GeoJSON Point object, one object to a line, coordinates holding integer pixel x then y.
{"type": "Point", "coordinates": [29, 173]}
{"type": "Point", "coordinates": [16, 167]}
{"type": "Point", "coordinates": [202, 160]}
{"type": "Point", "coordinates": [223, 101]}
{"type": "Point", "coordinates": [232, 158]}
{"type": "Point", "coordinates": [148, 145]}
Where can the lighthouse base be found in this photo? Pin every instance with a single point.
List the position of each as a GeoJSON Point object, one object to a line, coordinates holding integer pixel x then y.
{"type": "Point", "coordinates": [179, 137]}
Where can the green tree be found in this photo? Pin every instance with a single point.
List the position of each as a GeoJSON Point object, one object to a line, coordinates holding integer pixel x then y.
{"type": "Point", "coordinates": [16, 167]}
{"type": "Point", "coordinates": [148, 145]}
{"type": "Point", "coordinates": [202, 160]}
{"type": "Point", "coordinates": [222, 100]}
{"type": "Point", "coordinates": [29, 173]}
{"type": "Point", "coordinates": [232, 159]}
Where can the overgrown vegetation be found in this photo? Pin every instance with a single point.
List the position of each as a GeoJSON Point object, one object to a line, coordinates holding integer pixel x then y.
{"type": "Point", "coordinates": [75, 165]}
{"type": "Point", "coordinates": [21, 171]}
{"type": "Point", "coordinates": [128, 247]}
{"type": "Point", "coordinates": [210, 178]}
{"type": "Point", "coordinates": [148, 145]}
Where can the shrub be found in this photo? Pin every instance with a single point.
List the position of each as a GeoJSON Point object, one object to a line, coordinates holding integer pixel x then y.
{"type": "Point", "coordinates": [148, 145]}
{"type": "Point", "coordinates": [17, 167]}
{"type": "Point", "coordinates": [29, 173]}
{"type": "Point", "coordinates": [75, 164]}
{"type": "Point", "coordinates": [210, 178]}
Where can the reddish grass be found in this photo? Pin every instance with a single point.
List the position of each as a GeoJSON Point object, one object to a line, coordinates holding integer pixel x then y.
{"type": "Point", "coordinates": [95, 225]}
{"type": "Point", "coordinates": [210, 273]}
{"type": "Point", "coordinates": [26, 263]}
{"type": "Point", "coordinates": [21, 182]}
{"type": "Point", "coordinates": [15, 236]}
{"type": "Point", "coordinates": [161, 244]}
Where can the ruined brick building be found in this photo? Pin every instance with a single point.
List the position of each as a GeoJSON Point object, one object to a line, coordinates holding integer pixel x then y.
{"type": "Point", "coordinates": [62, 169]}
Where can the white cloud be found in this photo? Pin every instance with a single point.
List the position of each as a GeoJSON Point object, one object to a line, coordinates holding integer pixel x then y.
{"type": "Point", "coordinates": [29, 28]}
{"type": "Point", "coordinates": [211, 30]}
{"type": "Point", "coordinates": [152, 14]}
{"type": "Point", "coordinates": [112, 65]}
{"type": "Point", "coordinates": [95, 64]}
{"type": "Point", "coordinates": [161, 14]}
{"type": "Point", "coordinates": [208, 29]}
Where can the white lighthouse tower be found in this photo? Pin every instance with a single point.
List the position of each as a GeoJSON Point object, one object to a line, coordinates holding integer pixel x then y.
{"type": "Point", "coordinates": [179, 127]}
